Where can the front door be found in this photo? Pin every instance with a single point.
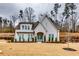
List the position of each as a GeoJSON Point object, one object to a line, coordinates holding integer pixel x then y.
{"type": "Point", "coordinates": [39, 37]}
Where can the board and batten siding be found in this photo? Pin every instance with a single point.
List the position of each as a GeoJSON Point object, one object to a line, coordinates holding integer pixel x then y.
{"type": "Point", "coordinates": [51, 29]}
{"type": "Point", "coordinates": [49, 26]}
{"type": "Point", "coordinates": [39, 28]}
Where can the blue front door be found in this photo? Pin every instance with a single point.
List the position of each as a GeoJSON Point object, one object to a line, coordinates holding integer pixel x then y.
{"type": "Point", "coordinates": [40, 37]}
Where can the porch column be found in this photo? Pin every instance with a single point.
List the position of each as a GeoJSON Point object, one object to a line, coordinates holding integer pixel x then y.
{"type": "Point", "coordinates": [58, 37]}
{"type": "Point", "coordinates": [54, 38]}
{"type": "Point", "coordinates": [43, 38]}
{"type": "Point", "coordinates": [35, 38]}
{"type": "Point", "coordinates": [47, 38]}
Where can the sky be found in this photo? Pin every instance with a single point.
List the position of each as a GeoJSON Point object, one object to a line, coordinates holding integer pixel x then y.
{"type": "Point", "coordinates": [9, 9]}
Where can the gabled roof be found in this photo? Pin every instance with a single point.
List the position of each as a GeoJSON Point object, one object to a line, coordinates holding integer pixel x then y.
{"type": "Point", "coordinates": [55, 24]}
{"type": "Point", "coordinates": [50, 19]}
{"type": "Point", "coordinates": [34, 24]}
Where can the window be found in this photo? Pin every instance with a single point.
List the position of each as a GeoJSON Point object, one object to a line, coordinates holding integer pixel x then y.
{"type": "Point", "coordinates": [28, 37]}
{"type": "Point", "coordinates": [28, 27]}
{"type": "Point", "coordinates": [51, 36]}
{"type": "Point", "coordinates": [23, 37]}
{"type": "Point", "coordinates": [22, 26]}
{"type": "Point", "coordinates": [19, 37]}
{"type": "Point", "coordinates": [25, 27]}
{"type": "Point", "coordinates": [31, 36]}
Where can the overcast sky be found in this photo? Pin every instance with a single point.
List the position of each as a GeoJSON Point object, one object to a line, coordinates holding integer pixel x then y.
{"type": "Point", "coordinates": [8, 9]}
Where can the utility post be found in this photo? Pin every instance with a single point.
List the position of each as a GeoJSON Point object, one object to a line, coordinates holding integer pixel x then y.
{"type": "Point", "coordinates": [68, 33]}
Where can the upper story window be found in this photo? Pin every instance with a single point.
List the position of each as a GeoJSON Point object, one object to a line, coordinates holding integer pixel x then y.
{"type": "Point", "coordinates": [25, 27]}
{"type": "Point", "coordinates": [28, 27]}
{"type": "Point", "coordinates": [22, 26]}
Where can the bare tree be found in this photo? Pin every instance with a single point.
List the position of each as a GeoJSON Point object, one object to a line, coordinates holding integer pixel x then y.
{"type": "Point", "coordinates": [21, 15]}
{"type": "Point", "coordinates": [55, 11]}
{"type": "Point", "coordinates": [29, 13]}
{"type": "Point", "coordinates": [0, 22]}
{"type": "Point", "coordinates": [73, 7]}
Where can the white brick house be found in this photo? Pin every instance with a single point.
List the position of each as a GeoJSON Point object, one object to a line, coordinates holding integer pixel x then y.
{"type": "Point", "coordinates": [43, 31]}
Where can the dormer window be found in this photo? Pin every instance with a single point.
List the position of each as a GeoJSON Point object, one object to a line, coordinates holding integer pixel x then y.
{"type": "Point", "coordinates": [25, 27]}
{"type": "Point", "coordinates": [22, 26]}
{"type": "Point", "coordinates": [28, 27]}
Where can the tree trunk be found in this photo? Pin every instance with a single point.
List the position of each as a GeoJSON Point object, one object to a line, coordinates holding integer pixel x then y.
{"type": "Point", "coordinates": [73, 22]}
{"type": "Point", "coordinates": [74, 27]}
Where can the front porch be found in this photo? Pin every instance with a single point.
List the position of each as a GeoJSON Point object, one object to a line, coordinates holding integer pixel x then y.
{"type": "Point", "coordinates": [35, 37]}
